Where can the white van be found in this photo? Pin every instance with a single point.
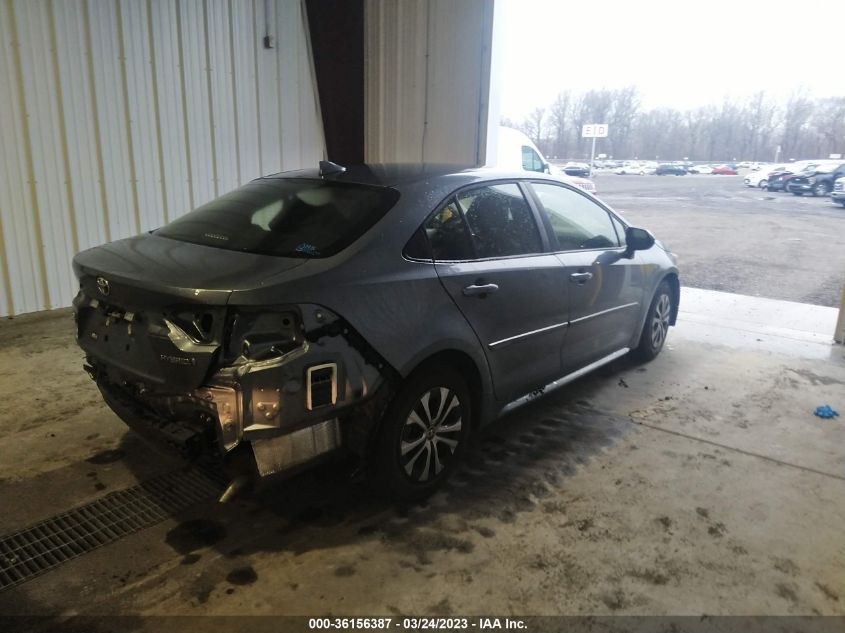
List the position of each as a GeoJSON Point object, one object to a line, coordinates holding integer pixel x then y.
{"type": "Point", "coordinates": [516, 151]}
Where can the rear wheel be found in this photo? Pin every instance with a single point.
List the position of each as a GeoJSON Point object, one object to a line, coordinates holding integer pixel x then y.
{"type": "Point", "coordinates": [764, 184]}
{"type": "Point", "coordinates": [423, 433]}
{"type": "Point", "coordinates": [656, 327]}
{"type": "Point", "coordinates": [820, 190]}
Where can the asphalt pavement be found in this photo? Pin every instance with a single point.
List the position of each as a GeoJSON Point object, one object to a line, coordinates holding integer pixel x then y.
{"type": "Point", "coordinates": [736, 239]}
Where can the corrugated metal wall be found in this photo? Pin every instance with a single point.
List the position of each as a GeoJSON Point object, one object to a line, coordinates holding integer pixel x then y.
{"type": "Point", "coordinates": [119, 115]}
{"type": "Point", "coordinates": [427, 75]}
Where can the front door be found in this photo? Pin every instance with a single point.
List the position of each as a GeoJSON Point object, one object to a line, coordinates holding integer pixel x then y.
{"type": "Point", "coordinates": [490, 260]}
{"type": "Point", "coordinates": [605, 287]}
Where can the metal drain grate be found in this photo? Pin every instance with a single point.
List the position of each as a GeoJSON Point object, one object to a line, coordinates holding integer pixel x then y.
{"type": "Point", "coordinates": [29, 552]}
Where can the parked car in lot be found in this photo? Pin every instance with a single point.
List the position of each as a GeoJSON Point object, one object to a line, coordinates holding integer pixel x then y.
{"type": "Point", "coordinates": [817, 181]}
{"type": "Point", "coordinates": [838, 193]}
{"type": "Point", "coordinates": [582, 183]}
{"type": "Point", "coordinates": [670, 170]}
{"type": "Point", "coordinates": [777, 180]}
{"type": "Point", "coordinates": [724, 170]}
{"type": "Point", "coordinates": [639, 169]}
{"type": "Point", "coordinates": [386, 311]}
{"type": "Point", "coordinates": [581, 170]}
{"type": "Point", "coordinates": [701, 169]}
{"type": "Point", "coordinates": [760, 176]}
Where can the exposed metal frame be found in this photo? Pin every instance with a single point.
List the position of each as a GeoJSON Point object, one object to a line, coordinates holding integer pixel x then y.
{"type": "Point", "coordinates": [308, 379]}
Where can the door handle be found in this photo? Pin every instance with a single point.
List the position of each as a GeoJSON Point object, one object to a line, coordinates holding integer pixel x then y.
{"type": "Point", "coordinates": [476, 290]}
{"type": "Point", "coordinates": [580, 278]}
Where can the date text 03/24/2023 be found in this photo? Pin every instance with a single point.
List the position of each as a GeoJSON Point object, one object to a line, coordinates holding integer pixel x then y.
{"type": "Point", "coordinates": [416, 624]}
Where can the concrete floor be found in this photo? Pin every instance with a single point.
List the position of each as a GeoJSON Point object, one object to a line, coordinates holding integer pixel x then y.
{"type": "Point", "coordinates": [699, 483]}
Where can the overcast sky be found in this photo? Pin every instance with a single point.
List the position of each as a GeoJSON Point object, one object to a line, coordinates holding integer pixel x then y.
{"type": "Point", "coordinates": [681, 54]}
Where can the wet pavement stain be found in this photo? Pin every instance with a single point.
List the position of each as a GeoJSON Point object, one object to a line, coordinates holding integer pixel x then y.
{"type": "Point", "coordinates": [344, 571]}
{"type": "Point", "coordinates": [195, 534]}
{"type": "Point", "coordinates": [717, 530]}
{"type": "Point", "coordinates": [107, 457]}
{"type": "Point", "coordinates": [242, 576]}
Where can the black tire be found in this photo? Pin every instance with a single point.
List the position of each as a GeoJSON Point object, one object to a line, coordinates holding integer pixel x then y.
{"type": "Point", "coordinates": [842, 203]}
{"type": "Point", "coordinates": [797, 193]}
{"type": "Point", "coordinates": [820, 190]}
{"type": "Point", "coordinates": [408, 421]}
{"type": "Point", "coordinates": [659, 314]}
{"type": "Point", "coordinates": [764, 184]}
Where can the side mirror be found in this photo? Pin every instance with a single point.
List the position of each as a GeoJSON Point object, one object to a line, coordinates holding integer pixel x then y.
{"type": "Point", "coordinates": [547, 168]}
{"type": "Point", "coordinates": [638, 239]}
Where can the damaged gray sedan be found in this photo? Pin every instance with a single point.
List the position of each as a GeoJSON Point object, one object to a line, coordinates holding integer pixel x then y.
{"type": "Point", "coordinates": [383, 311]}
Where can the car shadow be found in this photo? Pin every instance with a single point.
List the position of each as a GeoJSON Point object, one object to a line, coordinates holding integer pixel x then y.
{"type": "Point", "coordinates": [522, 463]}
{"type": "Point", "coordinates": [511, 466]}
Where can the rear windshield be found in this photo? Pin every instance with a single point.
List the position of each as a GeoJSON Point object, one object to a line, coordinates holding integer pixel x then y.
{"type": "Point", "coordinates": [288, 217]}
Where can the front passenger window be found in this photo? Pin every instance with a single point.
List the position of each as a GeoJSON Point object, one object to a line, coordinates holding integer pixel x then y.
{"type": "Point", "coordinates": [578, 223]}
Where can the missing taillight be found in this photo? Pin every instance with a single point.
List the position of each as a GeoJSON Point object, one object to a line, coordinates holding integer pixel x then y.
{"type": "Point", "coordinates": [203, 325]}
{"type": "Point", "coordinates": [321, 386]}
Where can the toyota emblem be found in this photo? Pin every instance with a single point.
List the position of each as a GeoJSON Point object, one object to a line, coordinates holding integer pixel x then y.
{"type": "Point", "coordinates": [103, 286]}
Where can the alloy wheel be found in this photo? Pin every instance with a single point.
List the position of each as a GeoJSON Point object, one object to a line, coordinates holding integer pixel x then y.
{"type": "Point", "coordinates": [430, 434]}
{"type": "Point", "coordinates": [820, 190]}
{"type": "Point", "coordinates": [660, 321]}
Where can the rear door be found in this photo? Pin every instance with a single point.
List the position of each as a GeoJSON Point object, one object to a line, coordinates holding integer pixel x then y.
{"type": "Point", "coordinates": [605, 287]}
{"type": "Point", "coordinates": [489, 255]}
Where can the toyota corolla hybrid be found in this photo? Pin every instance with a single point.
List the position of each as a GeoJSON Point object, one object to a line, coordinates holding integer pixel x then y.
{"type": "Point", "coordinates": [384, 311]}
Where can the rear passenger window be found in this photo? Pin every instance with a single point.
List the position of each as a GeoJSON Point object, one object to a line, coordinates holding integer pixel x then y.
{"type": "Point", "coordinates": [578, 223]}
{"type": "Point", "coordinates": [500, 220]}
{"type": "Point", "coordinates": [448, 235]}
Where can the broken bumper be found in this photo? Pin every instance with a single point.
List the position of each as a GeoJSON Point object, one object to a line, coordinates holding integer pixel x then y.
{"type": "Point", "coordinates": [288, 402]}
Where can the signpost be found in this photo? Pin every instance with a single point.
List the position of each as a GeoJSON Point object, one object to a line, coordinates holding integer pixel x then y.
{"type": "Point", "coordinates": [593, 131]}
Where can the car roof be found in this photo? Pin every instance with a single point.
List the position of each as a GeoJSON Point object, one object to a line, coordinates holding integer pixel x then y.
{"type": "Point", "coordinates": [395, 174]}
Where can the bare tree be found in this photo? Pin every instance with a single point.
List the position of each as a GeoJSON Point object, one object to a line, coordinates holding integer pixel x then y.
{"type": "Point", "coordinates": [560, 124]}
{"type": "Point", "coordinates": [828, 119]}
{"type": "Point", "coordinates": [749, 129]}
{"type": "Point", "coordinates": [795, 119]}
{"type": "Point", "coordinates": [626, 103]}
{"type": "Point", "coordinates": [534, 126]}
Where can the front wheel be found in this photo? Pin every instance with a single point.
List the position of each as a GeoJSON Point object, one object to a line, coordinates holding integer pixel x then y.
{"type": "Point", "coordinates": [423, 433]}
{"type": "Point", "coordinates": [820, 190]}
{"type": "Point", "coordinates": [764, 184]}
{"type": "Point", "coordinates": [797, 193]}
{"type": "Point", "coordinates": [656, 327]}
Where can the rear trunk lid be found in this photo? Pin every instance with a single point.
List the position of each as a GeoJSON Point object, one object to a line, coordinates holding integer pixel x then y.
{"type": "Point", "coordinates": [151, 311]}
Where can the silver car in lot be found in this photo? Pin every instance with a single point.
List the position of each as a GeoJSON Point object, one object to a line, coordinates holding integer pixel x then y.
{"type": "Point", "coordinates": [386, 311]}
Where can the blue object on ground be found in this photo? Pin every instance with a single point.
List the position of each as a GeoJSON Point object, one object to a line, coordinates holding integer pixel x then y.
{"type": "Point", "coordinates": [825, 411]}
